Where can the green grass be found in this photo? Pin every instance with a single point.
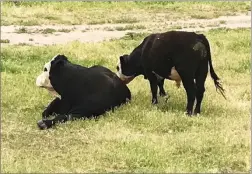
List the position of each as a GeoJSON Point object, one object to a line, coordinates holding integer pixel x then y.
{"type": "Point", "coordinates": [5, 41]}
{"type": "Point", "coordinates": [137, 137]}
{"type": "Point", "coordinates": [38, 13]}
{"type": "Point", "coordinates": [223, 22]}
{"type": "Point", "coordinates": [176, 27]}
{"type": "Point", "coordinates": [64, 30]}
{"type": "Point", "coordinates": [129, 27]}
{"type": "Point", "coordinates": [42, 31]}
{"type": "Point", "coordinates": [21, 30]}
{"type": "Point", "coordinates": [47, 31]}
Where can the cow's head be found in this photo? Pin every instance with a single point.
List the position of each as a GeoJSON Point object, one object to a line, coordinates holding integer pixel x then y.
{"type": "Point", "coordinates": [128, 68]}
{"type": "Point", "coordinates": [44, 79]}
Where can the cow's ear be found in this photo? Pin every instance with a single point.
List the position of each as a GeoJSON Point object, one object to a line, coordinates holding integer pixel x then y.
{"type": "Point", "coordinates": [59, 60]}
{"type": "Point", "coordinates": [121, 59]}
{"type": "Point", "coordinates": [63, 57]}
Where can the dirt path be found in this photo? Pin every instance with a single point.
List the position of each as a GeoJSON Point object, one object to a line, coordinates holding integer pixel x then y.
{"type": "Point", "coordinates": [61, 34]}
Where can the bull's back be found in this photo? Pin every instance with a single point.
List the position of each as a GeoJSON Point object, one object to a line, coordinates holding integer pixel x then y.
{"type": "Point", "coordinates": [118, 90]}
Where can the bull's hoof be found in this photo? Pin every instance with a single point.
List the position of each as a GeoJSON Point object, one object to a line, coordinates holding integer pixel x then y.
{"type": "Point", "coordinates": [154, 101]}
{"type": "Point", "coordinates": [45, 114]}
{"type": "Point", "coordinates": [42, 125]}
{"type": "Point", "coordinates": [188, 113]}
{"type": "Point", "coordinates": [196, 112]}
{"type": "Point", "coordinates": [162, 94]}
{"type": "Point", "coordinates": [167, 97]}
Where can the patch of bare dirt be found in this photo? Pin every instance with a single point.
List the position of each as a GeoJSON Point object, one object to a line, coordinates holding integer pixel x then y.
{"type": "Point", "coordinates": [62, 34]}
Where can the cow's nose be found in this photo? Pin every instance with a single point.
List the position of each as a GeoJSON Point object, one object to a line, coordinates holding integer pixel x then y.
{"type": "Point", "coordinates": [118, 74]}
{"type": "Point", "coordinates": [39, 81]}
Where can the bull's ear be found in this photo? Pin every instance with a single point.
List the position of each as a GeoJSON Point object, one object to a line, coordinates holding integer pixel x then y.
{"type": "Point", "coordinates": [63, 57]}
{"type": "Point", "coordinates": [121, 59]}
{"type": "Point", "coordinates": [59, 60]}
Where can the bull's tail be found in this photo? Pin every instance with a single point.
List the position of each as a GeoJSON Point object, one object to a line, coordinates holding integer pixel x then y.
{"type": "Point", "coordinates": [214, 76]}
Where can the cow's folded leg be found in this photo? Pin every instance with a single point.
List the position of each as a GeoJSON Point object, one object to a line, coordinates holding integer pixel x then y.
{"type": "Point", "coordinates": [162, 92]}
{"type": "Point", "coordinates": [53, 107]}
{"type": "Point", "coordinates": [46, 124]}
{"type": "Point", "coordinates": [62, 118]}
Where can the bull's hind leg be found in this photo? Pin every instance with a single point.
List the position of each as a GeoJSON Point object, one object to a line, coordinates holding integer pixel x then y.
{"type": "Point", "coordinates": [201, 75]}
{"type": "Point", "coordinates": [161, 87]}
{"type": "Point", "coordinates": [189, 85]}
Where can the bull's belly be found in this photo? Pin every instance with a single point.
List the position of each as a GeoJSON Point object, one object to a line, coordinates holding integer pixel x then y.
{"type": "Point", "coordinates": [174, 75]}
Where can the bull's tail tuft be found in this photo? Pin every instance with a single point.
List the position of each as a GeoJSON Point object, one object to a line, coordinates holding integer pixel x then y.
{"type": "Point", "coordinates": [218, 86]}
{"type": "Point", "coordinates": [214, 76]}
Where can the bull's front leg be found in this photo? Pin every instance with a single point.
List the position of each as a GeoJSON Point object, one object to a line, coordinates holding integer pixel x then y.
{"type": "Point", "coordinates": [154, 87]}
{"type": "Point", "coordinates": [61, 118]}
{"type": "Point", "coordinates": [46, 124]}
{"type": "Point", "coordinates": [53, 107]}
{"type": "Point", "coordinates": [59, 107]}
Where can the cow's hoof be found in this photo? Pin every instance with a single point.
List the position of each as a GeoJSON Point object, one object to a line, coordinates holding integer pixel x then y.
{"type": "Point", "coordinates": [154, 101]}
{"type": "Point", "coordinates": [196, 114]}
{"type": "Point", "coordinates": [187, 113]}
{"type": "Point", "coordinates": [167, 97]}
{"type": "Point", "coordinates": [162, 94]}
{"type": "Point", "coordinates": [42, 125]}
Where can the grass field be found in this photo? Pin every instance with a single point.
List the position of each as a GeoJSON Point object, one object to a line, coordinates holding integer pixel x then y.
{"type": "Point", "coordinates": [137, 137]}
{"type": "Point", "coordinates": [38, 13]}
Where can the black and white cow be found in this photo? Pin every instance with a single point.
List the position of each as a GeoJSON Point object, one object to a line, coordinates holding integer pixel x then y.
{"type": "Point", "coordinates": [82, 92]}
{"type": "Point", "coordinates": [175, 55]}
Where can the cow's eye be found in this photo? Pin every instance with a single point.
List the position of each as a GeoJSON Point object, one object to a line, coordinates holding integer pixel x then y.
{"type": "Point", "coordinates": [45, 69]}
{"type": "Point", "coordinates": [117, 68]}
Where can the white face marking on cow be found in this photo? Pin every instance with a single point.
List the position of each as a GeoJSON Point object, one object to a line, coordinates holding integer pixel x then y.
{"type": "Point", "coordinates": [43, 79]}
{"type": "Point", "coordinates": [120, 74]}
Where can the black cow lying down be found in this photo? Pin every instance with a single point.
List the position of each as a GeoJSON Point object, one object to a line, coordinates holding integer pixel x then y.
{"type": "Point", "coordinates": [174, 55]}
{"type": "Point", "coordinates": [83, 92]}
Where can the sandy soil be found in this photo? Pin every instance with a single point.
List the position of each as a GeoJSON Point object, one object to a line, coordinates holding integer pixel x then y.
{"type": "Point", "coordinates": [97, 33]}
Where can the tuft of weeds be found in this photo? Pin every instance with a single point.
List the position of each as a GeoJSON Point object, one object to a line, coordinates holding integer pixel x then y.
{"type": "Point", "coordinates": [5, 41]}
{"type": "Point", "coordinates": [21, 30]}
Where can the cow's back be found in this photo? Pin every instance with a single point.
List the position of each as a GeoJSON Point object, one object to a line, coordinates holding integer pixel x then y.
{"type": "Point", "coordinates": [114, 90]}
{"type": "Point", "coordinates": [162, 51]}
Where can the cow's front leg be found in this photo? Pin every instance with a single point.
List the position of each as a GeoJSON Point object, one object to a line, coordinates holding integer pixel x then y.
{"type": "Point", "coordinates": [53, 107]}
{"type": "Point", "coordinates": [154, 87]}
{"type": "Point", "coordinates": [46, 124]}
{"type": "Point", "coordinates": [62, 118]}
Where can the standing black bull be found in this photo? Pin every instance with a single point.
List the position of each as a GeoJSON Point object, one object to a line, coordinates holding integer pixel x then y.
{"type": "Point", "coordinates": [84, 92]}
{"type": "Point", "coordinates": [174, 55]}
